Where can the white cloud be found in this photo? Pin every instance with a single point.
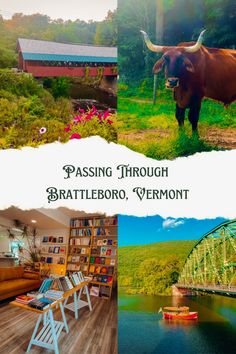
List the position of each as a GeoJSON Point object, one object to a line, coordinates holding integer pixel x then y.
{"type": "Point", "coordinates": [171, 223]}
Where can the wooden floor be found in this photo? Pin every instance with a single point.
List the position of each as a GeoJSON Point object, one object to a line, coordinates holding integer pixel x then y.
{"type": "Point", "coordinates": [93, 333]}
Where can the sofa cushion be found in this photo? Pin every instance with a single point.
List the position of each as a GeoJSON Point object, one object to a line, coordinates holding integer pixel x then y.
{"type": "Point", "coordinates": [9, 286]}
{"type": "Point", "coordinates": [11, 273]}
{"type": "Point", "coordinates": [31, 275]}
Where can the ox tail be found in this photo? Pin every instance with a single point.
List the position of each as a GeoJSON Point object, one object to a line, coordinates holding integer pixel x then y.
{"type": "Point", "coordinates": [155, 89]}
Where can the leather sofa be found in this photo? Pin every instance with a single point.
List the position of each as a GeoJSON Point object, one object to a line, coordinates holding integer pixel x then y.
{"type": "Point", "coordinates": [15, 281]}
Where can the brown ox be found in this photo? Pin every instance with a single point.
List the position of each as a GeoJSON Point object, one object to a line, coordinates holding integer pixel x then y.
{"type": "Point", "coordinates": [194, 72]}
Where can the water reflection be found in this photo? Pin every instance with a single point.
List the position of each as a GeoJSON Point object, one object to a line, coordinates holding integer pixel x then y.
{"type": "Point", "coordinates": [143, 331]}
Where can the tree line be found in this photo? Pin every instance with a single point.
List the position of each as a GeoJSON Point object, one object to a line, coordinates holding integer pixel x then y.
{"type": "Point", "coordinates": [38, 26]}
{"type": "Point", "coordinates": [170, 22]}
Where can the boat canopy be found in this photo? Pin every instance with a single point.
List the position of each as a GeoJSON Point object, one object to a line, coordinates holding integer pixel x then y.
{"type": "Point", "coordinates": [176, 309]}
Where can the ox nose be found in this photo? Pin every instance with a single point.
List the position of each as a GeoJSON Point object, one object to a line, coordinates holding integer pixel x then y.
{"type": "Point", "coordinates": [172, 82]}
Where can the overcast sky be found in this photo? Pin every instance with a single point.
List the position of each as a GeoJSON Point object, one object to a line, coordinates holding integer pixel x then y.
{"type": "Point", "coordinates": [65, 9]}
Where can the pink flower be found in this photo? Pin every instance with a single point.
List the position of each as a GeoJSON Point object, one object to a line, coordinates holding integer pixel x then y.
{"type": "Point", "coordinates": [106, 115]}
{"type": "Point", "coordinates": [75, 136]}
{"type": "Point", "coordinates": [88, 116]}
{"type": "Point", "coordinates": [77, 119]}
{"type": "Point", "coordinates": [100, 117]}
{"type": "Point", "coordinates": [67, 128]}
{"type": "Point", "coordinates": [81, 110]}
{"type": "Point", "coordinates": [109, 121]}
{"type": "Point", "coordinates": [94, 110]}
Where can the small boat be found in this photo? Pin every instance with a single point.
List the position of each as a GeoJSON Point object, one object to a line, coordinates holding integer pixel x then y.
{"type": "Point", "coordinates": [179, 313]}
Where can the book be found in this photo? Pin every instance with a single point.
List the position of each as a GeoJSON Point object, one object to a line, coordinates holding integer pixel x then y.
{"type": "Point", "coordinates": [54, 294]}
{"type": "Point", "coordinates": [38, 304]}
{"type": "Point", "coordinates": [64, 283]}
{"type": "Point", "coordinates": [46, 284]}
{"type": "Point", "coordinates": [24, 299]}
{"type": "Point", "coordinates": [103, 270]}
{"type": "Point", "coordinates": [91, 268]}
{"type": "Point", "coordinates": [61, 260]}
{"type": "Point", "coordinates": [35, 294]}
{"type": "Point", "coordinates": [56, 249]}
{"type": "Point", "coordinates": [112, 261]}
{"type": "Point", "coordinates": [94, 291]}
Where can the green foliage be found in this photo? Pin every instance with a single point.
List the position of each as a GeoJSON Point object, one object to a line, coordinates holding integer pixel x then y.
{"type": "Point", "coordinates": [8, 57]}
{"type": "Point", "coordinates": [60, 87]}
{"type": "Point", "coordinates": [19, 84]}
{"type": "Point", "coordinates": [25, 107]}
{"type": "Point", "coordinates": [106, 31]}
{"type": "Point", "coordinates": [152, 269]}
{"type": "Point", "coordinates": [169, 22]}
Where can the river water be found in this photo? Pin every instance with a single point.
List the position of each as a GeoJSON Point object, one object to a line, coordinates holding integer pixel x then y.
{"type": "Point", "coordinates": [80, 91]}
{"type": "Point", "coordinates": [143, 331]}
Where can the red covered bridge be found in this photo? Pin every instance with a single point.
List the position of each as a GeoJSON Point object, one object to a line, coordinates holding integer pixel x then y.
{"type": "Point", "coordinates": [50, 59]}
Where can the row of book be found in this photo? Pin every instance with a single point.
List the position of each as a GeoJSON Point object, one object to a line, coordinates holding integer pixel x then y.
{"type": "Point", "coordinates": [105, 222]}
{"type": "Point", "coordinates": [80, 241]}
{"type": "Point", "coordinates": [52, 260]}
{"type": "Point", "coordinates": [81, 232]}
{"type": "Point", "coordinates": [101, 231]}
{"type": "Point", "coordinates": [53, 239]}
{"type": "Point", "coordinates": [53, 249]}
{"type": "Point", "coordinates": [96, 222]}
{"type": "Point", "coordinates": [46, 296]}
{"type": "Point", "coordinates": [100, 270]}
{"type": "Point", "coordinates": [100, 291]}
{"type": "Point", "coordinates": [77, 259]}
{"type": "Point", "coordinates": [104, 242]}
{"type": "Point", "coordinates": [102, 260]}
{"type": "Point", "coordinates": [79, 250]}
{"type": "Point", "coordinates": [81, 222]}
{"type": "Point", "coordinates": [77, 267]}
{"type": "Point", "coordinates": [103, 251]}
{"type": "Point", "coordinates": [102, 278]}
{"type": "Point", "coordinates": [39, 304]}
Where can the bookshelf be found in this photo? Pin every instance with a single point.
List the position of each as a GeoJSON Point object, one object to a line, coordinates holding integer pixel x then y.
{"type": "Point", "coordinates": [53, 254]}
{"type": "Point", "coordinates": [93, 250]}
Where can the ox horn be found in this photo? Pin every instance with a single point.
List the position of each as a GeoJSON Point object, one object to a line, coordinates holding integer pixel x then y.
{"type": "Point", "coordinates": [150, 45]}
{"type": "Point", "coordinates": [197, 45]}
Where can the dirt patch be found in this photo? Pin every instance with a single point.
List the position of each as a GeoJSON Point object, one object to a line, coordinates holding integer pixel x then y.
{"type": "Point", "coordinates": [145, 135]}
{"type": "Point", "coordinates": [221, 137]}
{"type": "Point", "coordinates": [224, 138]}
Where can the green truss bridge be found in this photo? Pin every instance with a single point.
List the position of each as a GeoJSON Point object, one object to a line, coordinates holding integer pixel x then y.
{"type": "Point", "coordinates": [211, 265]}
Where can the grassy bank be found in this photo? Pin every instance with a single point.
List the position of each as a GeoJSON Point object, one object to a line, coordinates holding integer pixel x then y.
{"type": "Point", "coordinates": [153, 129]}
{"type": "Point", "coordinates": [152, 269]}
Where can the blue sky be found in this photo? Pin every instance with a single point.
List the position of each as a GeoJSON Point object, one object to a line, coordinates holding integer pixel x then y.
{"type": "Point", "coordinates": [137, 231]}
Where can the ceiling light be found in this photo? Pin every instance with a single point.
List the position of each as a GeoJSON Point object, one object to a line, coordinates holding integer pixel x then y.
{"type": "Point", "coordinates": [34, 221]}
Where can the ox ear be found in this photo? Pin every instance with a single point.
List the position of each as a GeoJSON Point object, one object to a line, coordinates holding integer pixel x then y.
{"type": "Point", "coordinates": [189, 65]}
{"type": "Point", "coordinates": [158, 66]}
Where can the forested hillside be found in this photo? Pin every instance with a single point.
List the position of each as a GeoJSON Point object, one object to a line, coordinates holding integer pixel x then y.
{"type": "Point", "coordinates": [38, 26]}
{"type": "Point", "coordinates": [152, 269]}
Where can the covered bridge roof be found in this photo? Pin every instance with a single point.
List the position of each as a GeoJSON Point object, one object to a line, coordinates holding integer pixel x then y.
{"type": "Point", "coordinates": [33, 49]}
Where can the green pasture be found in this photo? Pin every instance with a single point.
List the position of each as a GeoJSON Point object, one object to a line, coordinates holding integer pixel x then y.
{"type": "Point", "coordinates": [153, 129]}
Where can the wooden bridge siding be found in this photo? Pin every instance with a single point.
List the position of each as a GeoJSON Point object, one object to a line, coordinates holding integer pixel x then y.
{"type": "Point", "coordinates": [49, 71]}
